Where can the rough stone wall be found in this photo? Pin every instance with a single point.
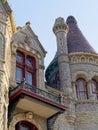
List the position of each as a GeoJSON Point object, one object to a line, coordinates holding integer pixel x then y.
{"type": "Point", "coordinates": [5, 56]}
{"type": "Point", "coordinates": [87, 115]}
{"type": "Point", "coordinates": [62, 123]}
{"type": "Point", "coordinates": [86, 112]}
{"type": "Point", "coordinates": [87, 120]}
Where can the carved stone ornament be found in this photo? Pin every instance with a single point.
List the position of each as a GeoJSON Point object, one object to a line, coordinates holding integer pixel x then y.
{"type": "Point", "coordinates": [24, 116]}
{"type": "Point", "coordinates": [84, 58]}
{"type": "Point", "coordinates": [29, 115]}
{"type": "Point", "coordinates": [24, 46]}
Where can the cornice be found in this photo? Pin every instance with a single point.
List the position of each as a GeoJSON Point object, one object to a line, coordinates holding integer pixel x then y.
{"type": "Point", "coordinates": [83, 58]}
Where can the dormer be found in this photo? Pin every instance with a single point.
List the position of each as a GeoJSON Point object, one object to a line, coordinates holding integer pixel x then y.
{"type": "Point", "coordinates": [26, 45]}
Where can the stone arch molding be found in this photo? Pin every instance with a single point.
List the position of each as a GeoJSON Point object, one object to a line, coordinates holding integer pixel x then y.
{"type": "Point", "coordinates": [93, 75]}
{"type": "Point", "coordinates": [28, 116]}
{"type": "Point", "coordinates": [78, 74]}
{"type": "Point", "coordinates": [25, 47]}
{"type": "Point", "coordinates": [88, 76]}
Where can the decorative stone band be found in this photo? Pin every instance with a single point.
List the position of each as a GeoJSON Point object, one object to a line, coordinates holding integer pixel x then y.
{"type": "Point", "coordinates": [18, 45]}
{"type": "Point", "coordinates": [60, 28]}
{"type": "Point", "coordinates": [86, 58]}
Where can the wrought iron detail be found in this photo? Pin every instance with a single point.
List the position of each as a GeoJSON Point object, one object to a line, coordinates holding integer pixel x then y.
{"type": "Point", "coordinates": [37, 91]}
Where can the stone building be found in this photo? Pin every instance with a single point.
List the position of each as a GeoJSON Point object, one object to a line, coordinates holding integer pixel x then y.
{"type": "Point", "coordinates": [68, 100]}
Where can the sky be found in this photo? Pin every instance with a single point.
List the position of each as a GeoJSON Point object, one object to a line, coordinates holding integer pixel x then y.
{"type": "Point", "coordinates": [42, 14]}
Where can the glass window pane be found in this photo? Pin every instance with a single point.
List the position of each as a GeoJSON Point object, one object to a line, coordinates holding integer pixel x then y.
{"type": "Point", "coordinates": [19, 58]}
{"type": "Point", "coordinates": [24, 127]}
{"type": "Point", "coordinates": [81, 89]}
{"type": "Point", "coordinates": [29, 78]}
{"type": "Point", "coordinates": [18, 74]}
{"type": "Point", "coordinates": [29, 62]}
{"type": "Point", "coordinates": [81, 85]}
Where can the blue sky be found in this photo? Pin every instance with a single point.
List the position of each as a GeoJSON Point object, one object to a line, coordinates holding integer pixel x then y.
{"type": "Point", "coordinates": [42, 15]}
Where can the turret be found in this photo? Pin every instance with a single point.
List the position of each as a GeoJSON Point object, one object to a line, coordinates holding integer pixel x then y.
{"type": "Point", "coordinates": [61, 29]}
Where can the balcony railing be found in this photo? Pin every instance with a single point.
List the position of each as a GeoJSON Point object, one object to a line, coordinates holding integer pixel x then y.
{"type": "Point", "coordinates": [33, 89]}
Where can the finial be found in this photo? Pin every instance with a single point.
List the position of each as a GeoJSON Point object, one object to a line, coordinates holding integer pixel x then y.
{"type": "Point", "coordinates": [28, 23]}
{"type": "Point", "coordinates": [19, 28]}
{"type": "Point", "coordinates": [71, 20]}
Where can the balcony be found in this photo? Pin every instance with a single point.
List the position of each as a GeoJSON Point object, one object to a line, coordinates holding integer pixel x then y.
{"type": "Point", "coordinates": [30, 98]}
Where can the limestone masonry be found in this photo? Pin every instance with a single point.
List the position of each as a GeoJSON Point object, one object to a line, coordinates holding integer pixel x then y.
{"type": "Point", "coordinates": [68, 99]}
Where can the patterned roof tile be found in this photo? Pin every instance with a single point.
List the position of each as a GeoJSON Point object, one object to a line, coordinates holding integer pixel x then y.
{"type": "Point", "coordinates": [75, 39]}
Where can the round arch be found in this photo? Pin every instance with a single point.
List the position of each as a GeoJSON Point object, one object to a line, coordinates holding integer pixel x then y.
{"type": "Point", "coordinates": [79, 74]}
{"type": "Point", "coordinates": [28, 117]}
{"type": "Point", "coordinates": [25, 125]}
{"type": "Point", "coordinates": [94, 75]}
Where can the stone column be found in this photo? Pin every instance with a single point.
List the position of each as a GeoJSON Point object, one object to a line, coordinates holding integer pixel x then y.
{"type": "Point", "coordinates": [41, 83]}
{"type": "Point", "coordinates": [13, 70]}
{"type": "Point", "coordinates": [90, 96]}
{"type": "Point", "coordinates": [74, 89]}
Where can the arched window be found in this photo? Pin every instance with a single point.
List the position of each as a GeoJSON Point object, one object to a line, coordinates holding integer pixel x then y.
{"type": "Point", "coordinates": [81, 89]}
{"type": "Point", "coordinates": [94, 89]}
{"type": "Point", "coordinates": [25, 68]}
{"type": "Point", "coordinates": [24, 125]}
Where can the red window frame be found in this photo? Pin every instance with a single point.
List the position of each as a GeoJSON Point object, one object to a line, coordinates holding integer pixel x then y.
{"type": "Point", "coordinates": [25, 67]}
{"type": "Point", "coordinates": [81, 91]}
{"type": "Point", "coordinates": [26, 124]}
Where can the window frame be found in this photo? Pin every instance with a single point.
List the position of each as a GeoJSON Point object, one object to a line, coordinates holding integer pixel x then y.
{"type": "Point", "coordinates": [83, 92]}
{"type": "Point", "coordinates": [25, 123]}
{"type": "Point", "coordinates": [25, 67]}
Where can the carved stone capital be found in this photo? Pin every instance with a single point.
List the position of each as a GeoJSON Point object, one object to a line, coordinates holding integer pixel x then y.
{"type": "Point", "coordinates": [41, 67]}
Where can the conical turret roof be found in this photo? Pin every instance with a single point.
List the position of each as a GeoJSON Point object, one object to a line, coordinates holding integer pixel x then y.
{"type": "Point", "coordinates": [76, 43]}
{"type": "Point", "coordinates": [75, 39]}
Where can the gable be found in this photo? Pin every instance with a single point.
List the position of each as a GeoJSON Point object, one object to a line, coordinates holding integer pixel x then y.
{"type": "Point", "coordinates": [27, 37]}
{"type": "Point", "coordinates": [3, 15]}
{"type": "Point", "coordinates": [4, 7]}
